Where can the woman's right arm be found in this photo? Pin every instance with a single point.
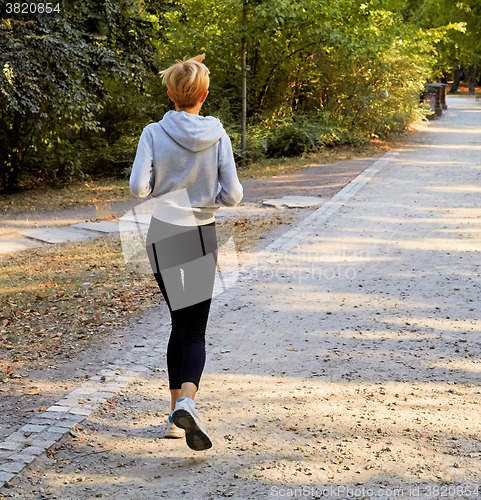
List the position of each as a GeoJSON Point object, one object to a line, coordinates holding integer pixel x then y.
{"type": "Point", "coordinates": [141, 179]}
{"type": "Point", "coordinates": [231, 191]}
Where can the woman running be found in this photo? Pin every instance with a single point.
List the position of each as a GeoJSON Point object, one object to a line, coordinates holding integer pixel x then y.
{"type": "Point", "coordinates": [185, 161]}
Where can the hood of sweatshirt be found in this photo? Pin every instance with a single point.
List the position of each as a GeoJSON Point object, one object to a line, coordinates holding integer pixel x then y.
{"type": "Point", "coordinates": [192, 132]}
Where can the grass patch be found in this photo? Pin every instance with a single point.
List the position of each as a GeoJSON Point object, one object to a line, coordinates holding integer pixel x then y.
{"type": "Point", "coordinates": [57, 299]}
{"type": "Point", "coordinates": [75, 194]}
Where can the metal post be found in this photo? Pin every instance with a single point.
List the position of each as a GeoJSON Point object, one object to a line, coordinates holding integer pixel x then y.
{"type": "Point", "coordinates": [244, 85]}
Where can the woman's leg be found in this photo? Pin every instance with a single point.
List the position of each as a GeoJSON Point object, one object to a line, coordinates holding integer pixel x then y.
{"type": "Point", "coordinates": [175, 394]}
{"type": "Point", "coordinates": [174, 347]}
{"type": "Point", "coordinates": [188, 390]}
{"type": "Point", "coordinates": [198, 281]}
{"type": "Point", "coordinates": [175, 350]}
{"type": "Point", "coordinates": [186, 348]}
{"type": "Point", "coordinates": [193, 356]}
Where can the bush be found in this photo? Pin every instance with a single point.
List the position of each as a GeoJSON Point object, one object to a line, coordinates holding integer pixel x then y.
{"type": "Point", "coordinates": [293, 139]}
{"type": "Point", "coordinates": [307, 133]}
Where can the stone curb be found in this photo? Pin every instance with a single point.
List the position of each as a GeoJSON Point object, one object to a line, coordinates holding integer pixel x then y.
{"type": "Point", "coordinates": [40, 433]}
{"type": "Point", "coordinates": [35, 237]}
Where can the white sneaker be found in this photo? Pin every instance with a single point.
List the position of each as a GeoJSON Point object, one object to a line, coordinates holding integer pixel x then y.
{"type": "Point", "coordinates": [186, 417]}
{"type": "Point", "coordinates": [172, 430]}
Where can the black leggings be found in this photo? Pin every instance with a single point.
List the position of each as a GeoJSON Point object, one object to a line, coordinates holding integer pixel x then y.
{"type": "Point", "coordinates": [187, 288]}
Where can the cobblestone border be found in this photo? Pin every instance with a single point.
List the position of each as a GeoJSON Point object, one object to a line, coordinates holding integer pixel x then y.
{"type": "Point", "coordinates": [34, 438]}
{"type": "Point", "coordinates": [40, 433]}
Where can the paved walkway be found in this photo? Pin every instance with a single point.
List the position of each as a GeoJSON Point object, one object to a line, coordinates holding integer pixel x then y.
{"type": "Point", "coordinates": [345, 359]}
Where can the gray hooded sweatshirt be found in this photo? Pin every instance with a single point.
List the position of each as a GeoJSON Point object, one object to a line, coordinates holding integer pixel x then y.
{"type": "Point", "coordinates": [186, 161]}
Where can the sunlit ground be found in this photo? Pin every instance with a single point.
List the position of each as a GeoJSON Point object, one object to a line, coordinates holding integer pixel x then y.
{"type": "Point", "coordinates": [273, 432]}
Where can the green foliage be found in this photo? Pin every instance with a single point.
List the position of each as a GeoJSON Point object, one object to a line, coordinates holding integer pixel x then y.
{"type": "Point", "coordinates": [455, 28]}
{"type": "Point", "coordinates": [53, 83]}
{"type": "Point", "coordinates": [319, 74]}
{"type": "Point", "coordinates": [302, 134]}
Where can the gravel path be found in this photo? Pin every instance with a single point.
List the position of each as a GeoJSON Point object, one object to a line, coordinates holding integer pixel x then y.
{"type": "Point", "coordinates": [345, 364]}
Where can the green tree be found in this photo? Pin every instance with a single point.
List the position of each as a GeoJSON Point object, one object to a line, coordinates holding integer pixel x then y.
{"type": "Point", "coordinates": [58, 71]}
{"type": "Point", "coordinates": [318, 73]}
{"type": "Point", "coordinates": [355, 67]}
{"type": "Point", "coordinates": [458, 49]}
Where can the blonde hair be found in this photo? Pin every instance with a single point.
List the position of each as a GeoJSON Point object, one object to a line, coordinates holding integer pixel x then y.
{"type": "Point", "coordinates": [187, 80]}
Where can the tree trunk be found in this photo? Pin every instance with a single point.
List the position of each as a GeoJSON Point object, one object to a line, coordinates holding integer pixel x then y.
{"type": "Point", "coordinates": [471, 76]}
{"type": "Point", "coordinates": [12, 157]}
{"type": "Point", "coordinates": [458, 76]}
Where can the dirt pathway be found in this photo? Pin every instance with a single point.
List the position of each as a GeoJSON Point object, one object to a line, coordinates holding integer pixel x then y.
{"type": "Point", "coordinates": [345, 364]}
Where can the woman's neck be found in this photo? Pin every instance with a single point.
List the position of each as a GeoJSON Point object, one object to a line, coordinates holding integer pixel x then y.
{"type": "Point", "coordinates": [193, 111]}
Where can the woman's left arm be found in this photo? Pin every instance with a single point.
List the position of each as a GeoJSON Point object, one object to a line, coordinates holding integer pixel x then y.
{"type": "Point", "coordinates": [141, 179]}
